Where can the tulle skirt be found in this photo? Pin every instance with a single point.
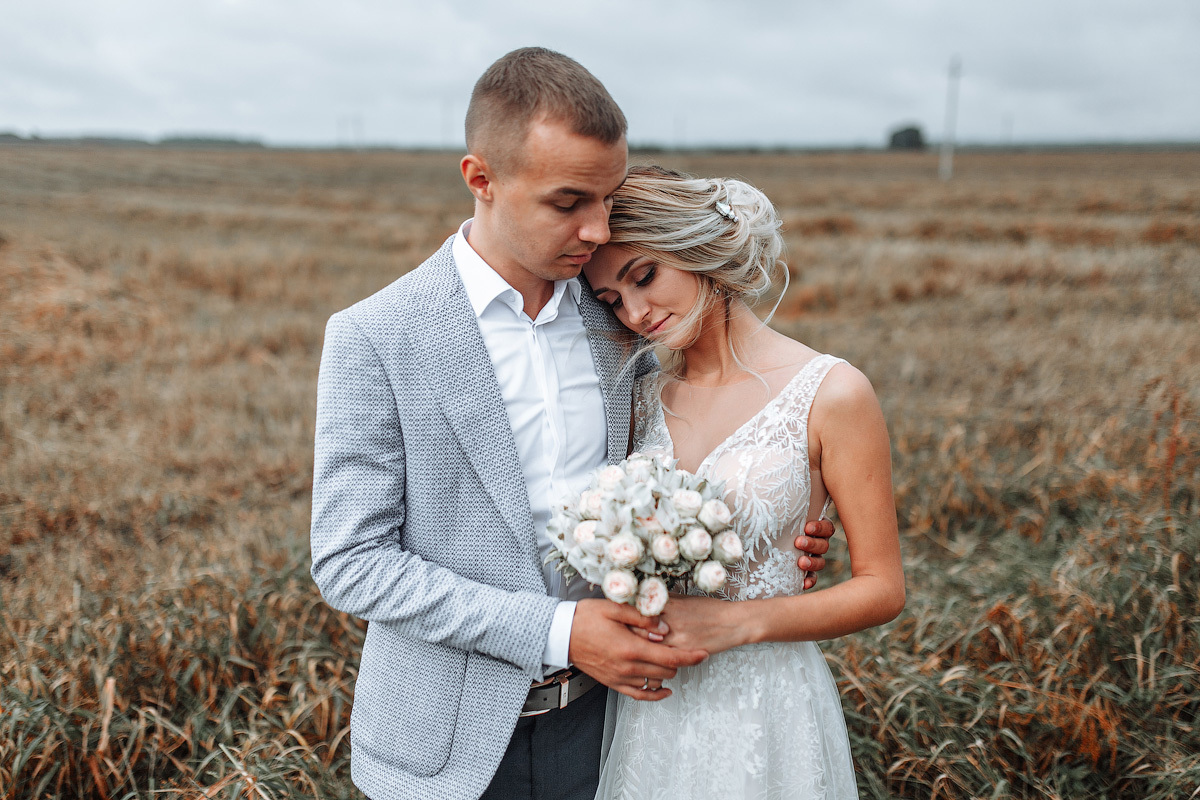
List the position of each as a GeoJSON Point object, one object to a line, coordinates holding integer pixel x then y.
{"type": "Point", "coordinates": [760, 721]}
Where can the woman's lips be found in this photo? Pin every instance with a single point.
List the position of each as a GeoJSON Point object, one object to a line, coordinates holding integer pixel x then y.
{"type": "Point", "coordinates": [656, 327]}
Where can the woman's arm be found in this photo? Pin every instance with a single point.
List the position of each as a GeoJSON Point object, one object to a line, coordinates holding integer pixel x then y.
{"type": "Point", "coordinates": [849, 441]}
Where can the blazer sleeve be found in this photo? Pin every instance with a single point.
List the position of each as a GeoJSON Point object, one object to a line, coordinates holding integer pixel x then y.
{"type": "Point", "coordinates": [358, 514]}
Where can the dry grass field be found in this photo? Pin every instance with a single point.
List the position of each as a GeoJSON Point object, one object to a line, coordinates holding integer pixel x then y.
{"type": "Point", "coordinates": [1031, 328]}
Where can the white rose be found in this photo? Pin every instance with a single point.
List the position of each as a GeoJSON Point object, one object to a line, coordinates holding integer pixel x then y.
{"type": "Point", "coordinates": [610, 477]}
{"type": "Point", "coordinates": [665, 549]}
{"type": "Point", "coordinates": [639, 468]}
{"type": "Point", "coordinates": [687, 503]}
{"type": "Point", "coordinates": [585, 537]}
{"type": "Point", "coordinates": [652, 597]}
{"type": "Point", "coordinates": [619, 585]}
{"type": "Point", "coordinates": [591, 503]}
{"type": "Point", "coordinates": [727, 547]}
{"type": "Point", "coordinates": [696, 544]}
{"type": "Point", "coordinates": [715, 516]}
{"type": "Point", "coordinates": [709, 576]}
{"type": "Point", "coordinates": [624, 550]}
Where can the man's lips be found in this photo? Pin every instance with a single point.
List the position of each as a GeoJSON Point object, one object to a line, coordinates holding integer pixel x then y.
{"type": "Point", "coordinates": [581, 258]}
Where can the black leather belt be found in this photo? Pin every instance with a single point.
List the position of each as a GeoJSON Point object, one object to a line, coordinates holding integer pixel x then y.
{"type": "Point", "coordinates": [557, 690]}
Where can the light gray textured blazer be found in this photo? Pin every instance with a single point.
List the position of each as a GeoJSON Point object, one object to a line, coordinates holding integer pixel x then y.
{"type": "Point", "coordinates": [421, 525]}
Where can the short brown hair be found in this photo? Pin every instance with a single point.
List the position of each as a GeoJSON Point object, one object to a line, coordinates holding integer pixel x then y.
{"type": "Point", "coordinates": [535, 82]}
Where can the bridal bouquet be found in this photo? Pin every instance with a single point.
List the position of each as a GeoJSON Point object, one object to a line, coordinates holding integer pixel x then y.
{"type": "Point", "coordinates": [644, 526]}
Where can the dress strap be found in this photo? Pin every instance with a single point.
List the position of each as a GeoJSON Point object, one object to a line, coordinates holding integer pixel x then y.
{"type": "Point", "coordinates": [803, 388]}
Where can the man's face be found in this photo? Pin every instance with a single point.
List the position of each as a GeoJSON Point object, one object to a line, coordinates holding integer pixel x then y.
{"type": "Point", "coordinates": [549, 212]}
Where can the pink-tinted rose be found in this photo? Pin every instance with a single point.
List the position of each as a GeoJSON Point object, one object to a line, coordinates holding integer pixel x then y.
{"type": "Point", "coordinates": [696, 544]}
{"type": "Point", "coordinates": [709, 576]}
{"type": "Point", "coordinates": [639, 468]}
{"type": "Point", "coordinates": [715, 516]}
{"type": "Point", "coordinates": [624, 550]}
{"type": "Point", "coordinates": [619, 585]}
{"type": "Point", "coordinates": [652, 597]}
{"type": "Point", "coordinates": [585, 536]}
{"type": "Point", "coordinates": [687, 503]}
{"type": "Point", "coordinates": [727, 547]}
{"type": "Point", "coordinates": [610, 477]}
{"type": "Point", "coordinates": [664, 548]}
{"type": "Point", "coordinates": [591, 504]}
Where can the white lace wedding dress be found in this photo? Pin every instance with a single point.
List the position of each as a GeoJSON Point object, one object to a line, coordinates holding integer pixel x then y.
{"type": "Point", "coordinates": [759, 721]}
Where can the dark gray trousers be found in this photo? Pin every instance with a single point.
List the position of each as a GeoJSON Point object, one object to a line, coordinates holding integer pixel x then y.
{"type": "Point", "coordinates": [554, 756]}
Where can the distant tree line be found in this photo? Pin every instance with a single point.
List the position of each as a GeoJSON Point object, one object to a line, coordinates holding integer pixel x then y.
{"type": "Point", "coordinates": [195, 141]}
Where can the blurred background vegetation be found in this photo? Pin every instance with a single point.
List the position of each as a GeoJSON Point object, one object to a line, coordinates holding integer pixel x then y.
{"type": "Point", "coordinates": [1030, 327]}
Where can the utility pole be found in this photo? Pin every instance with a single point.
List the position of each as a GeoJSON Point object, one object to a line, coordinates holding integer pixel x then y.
{"type": "Point", "coordinates": [946, 162]}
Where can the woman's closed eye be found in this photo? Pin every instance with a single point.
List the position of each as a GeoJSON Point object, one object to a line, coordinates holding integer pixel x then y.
{"type": "Point", "coordinates": [648, 277]}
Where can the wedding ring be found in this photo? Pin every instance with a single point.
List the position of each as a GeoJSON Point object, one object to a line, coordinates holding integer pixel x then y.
{"type": "Point", "coordinates": [645, 684]}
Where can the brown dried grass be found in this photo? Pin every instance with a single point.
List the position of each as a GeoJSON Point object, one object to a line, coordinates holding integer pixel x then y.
{"type": "Point", "coordinates": [1030, 328]}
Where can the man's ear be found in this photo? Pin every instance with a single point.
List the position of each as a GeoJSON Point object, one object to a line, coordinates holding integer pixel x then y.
{"type": "Point", "coordinates": [478, 176]}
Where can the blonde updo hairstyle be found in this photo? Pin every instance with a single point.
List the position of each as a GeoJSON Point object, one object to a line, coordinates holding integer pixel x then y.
{"type": "Point", "coordinates": [724, 231]}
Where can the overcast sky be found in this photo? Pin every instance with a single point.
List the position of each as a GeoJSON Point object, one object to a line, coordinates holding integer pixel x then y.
{"type": "Point", "coordinates": [804, 72]}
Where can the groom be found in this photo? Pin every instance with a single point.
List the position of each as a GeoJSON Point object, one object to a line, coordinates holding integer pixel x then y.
{"type": "Point", "coordinates": [453, 407]}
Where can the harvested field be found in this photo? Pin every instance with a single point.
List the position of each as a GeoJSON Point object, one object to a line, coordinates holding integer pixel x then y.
{"type": "Point", "coordinates": [1030, 328]}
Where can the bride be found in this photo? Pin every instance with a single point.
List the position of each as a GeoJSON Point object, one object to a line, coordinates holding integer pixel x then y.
{"type": "Point", "coordinates": [787, 429]}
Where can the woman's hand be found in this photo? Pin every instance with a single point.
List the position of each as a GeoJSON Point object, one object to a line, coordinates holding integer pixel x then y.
{"type": "Point", "coordinates": [705, 623]}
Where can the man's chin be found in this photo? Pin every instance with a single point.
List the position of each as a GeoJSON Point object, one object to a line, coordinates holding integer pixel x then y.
{"type": "Point", "coordinates": [561, 271]}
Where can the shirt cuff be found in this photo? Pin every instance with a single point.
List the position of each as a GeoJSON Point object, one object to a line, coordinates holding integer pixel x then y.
{"type": "Point", "coordinates": [558, 642]}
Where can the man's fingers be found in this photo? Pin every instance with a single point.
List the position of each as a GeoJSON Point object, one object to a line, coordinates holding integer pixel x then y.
{"type": "Point", "coordinates": [820, 528]}
{"type": "Point", "coordinates": [630, 616]}
{"type": "Point", "coordinates": [812, 545]}
{"type": "Point", "coordinates": [811, 563]}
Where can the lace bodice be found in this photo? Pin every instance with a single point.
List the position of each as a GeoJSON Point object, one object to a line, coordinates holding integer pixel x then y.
{"type": "Point", "coordinates": [770, 711]}
{"type": "Point", "coordinates": [764, 465]}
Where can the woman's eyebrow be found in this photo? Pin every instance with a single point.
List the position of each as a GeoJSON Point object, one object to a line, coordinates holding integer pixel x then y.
{"type": "Point", "coordinates": [620, 275]}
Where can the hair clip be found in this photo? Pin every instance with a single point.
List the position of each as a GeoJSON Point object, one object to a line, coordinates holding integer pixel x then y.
{"type": "Point", "coordinates": [726, 211]}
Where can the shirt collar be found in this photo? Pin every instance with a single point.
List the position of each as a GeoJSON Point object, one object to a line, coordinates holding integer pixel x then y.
{"type": "Point", "coordinates": [484, 284]}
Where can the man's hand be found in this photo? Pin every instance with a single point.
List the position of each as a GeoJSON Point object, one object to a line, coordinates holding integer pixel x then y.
{"type": "Point", "coordinates": [813, 546]}
{"type": "Point", "coordinates": [603, 646]}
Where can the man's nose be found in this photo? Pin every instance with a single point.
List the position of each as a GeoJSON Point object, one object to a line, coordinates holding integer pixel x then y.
{"type": "Point", "coordinates": [595, 225]}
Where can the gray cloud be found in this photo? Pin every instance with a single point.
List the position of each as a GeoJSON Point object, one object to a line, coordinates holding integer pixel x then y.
{"type": "Point", "coordinates": [293, 71]}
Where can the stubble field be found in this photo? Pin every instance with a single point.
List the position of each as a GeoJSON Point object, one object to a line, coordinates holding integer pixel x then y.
{"type": "Point", "coordinates": [1031, 328]}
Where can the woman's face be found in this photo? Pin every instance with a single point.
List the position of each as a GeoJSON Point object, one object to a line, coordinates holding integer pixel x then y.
{"type": "Point", "coordinates": [648, 295]}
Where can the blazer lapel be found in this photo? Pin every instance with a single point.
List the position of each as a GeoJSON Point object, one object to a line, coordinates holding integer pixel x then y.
{"type": "Point", "coordinates": [608, 340]}
{"type": "Point", "coordinates": [458, 369]}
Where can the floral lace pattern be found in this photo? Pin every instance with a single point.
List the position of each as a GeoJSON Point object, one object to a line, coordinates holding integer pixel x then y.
{"type": "Point", "coordinates": [760, 721]}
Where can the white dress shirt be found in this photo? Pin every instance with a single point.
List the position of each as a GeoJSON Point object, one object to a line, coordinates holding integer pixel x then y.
{"type": "Point", "coordinates": [552, 394]}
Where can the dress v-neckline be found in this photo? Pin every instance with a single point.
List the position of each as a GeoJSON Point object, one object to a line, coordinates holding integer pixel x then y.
{"type": "Point", "coordinates": [662, 417]}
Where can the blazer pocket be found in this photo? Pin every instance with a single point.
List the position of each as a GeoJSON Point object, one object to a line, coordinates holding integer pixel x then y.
{"type": "Point", "coordinates": [406, 700]}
